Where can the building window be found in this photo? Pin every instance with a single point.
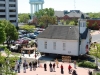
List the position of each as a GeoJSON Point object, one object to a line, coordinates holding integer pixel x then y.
{"type": "Point", "coordinates": [45, 45]}
{"type": "Point", "coordinates": [12, 20]}
{"type": "Point", "coordinates": [12, 15]}
{"type": "Point", "coordinates": [12, 10]}
{"type": "Point", "coordinates": [2, 10]}
{"type": "Point", "coordinates": [12, 5]}
{"type": "Point", "coordinates": [2, 5]}
{"type": "Point", "coordinates": [64, 46]}
{"type": "Point", "coordinates": [54, 45]}
{"type": "Point", "coordinates": [12, 0]}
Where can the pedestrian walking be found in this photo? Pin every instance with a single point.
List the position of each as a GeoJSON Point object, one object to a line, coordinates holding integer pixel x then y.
{"type": "Point", "coordinates": [69, 69]}
{"type": "Point", "coordinates": [30, 65]}
{"type": "Point", "coordinates": [54, 67]}
{"type": "Point", "coordinates": [45, 67]}
{"type": "Point", "coordinates": [62, 72]}
{"type": "Point", "coordinates": [50, 65]}
{"type": "Point", "coordinates": [75, 64]}
{"type": "Point", "coordinates": [24, 67]}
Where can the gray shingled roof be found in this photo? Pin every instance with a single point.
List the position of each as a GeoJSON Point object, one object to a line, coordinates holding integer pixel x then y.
{"type": "Point", "coordinates": [70, 14]}
{"type": "Point", "coordinates": [59, 13]}
{"type": "Point", "coordinates": [60, 32]}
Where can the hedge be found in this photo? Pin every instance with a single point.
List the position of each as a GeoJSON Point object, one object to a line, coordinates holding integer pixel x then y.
{"type": "Point", "coordinates": [87, 64]}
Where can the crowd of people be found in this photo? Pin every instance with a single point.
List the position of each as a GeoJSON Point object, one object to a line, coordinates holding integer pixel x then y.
{"type": "Point", "coordinates": [36, 63]}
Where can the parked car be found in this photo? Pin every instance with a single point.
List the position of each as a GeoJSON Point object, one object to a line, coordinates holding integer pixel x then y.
{"type": "Point", "coordinates": [26, 38]}
{"type": "Point", "coordinates": [31, 35]}
{"type": "Point", "coordinates": [21, 41]}
{"type": "Point", "coordinates": [22, 31]}
{"type": "Point", "coordinates": [15, 47]}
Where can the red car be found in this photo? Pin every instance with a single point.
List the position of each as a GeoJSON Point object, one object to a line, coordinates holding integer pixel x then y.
{"type": "Point", "coordinates": [21, 41]}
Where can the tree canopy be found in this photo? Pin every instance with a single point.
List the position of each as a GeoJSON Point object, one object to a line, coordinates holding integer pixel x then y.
{"type": "Point", "coordinates": [24, 17]}
{"type": "Point", "coordinates": [45, 17]}
{"type": "Point", "coordinates": [7, 29]}
{"type": "Point", "coordinates": [2, 33]}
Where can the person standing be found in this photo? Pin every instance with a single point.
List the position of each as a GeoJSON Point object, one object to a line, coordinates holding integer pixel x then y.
{"type": "Point", "coordinates": [34, 66]}
{"type": "Point", "coordinates": [74, 72]}
{"type": "Point", "coordinates": [18, 67]}
{"type": "Point", "coordinates": [57, 62]}
{"type": "Point", "coordinates": [30, 65]}
{"type": "Point", "coordinates": [54, 67]}
{"type": "Point", "coordinates": [50, 65]}
{"type": "Point", "coordinates": [24, 67]}
{"type": "Point", "coordinates": [62, 69]}
{"type": "Point", "coordinates": [75, 64]}
{"type": "Point", "coordinates": [20, 60]}
{"type": "Point", "coordinates": [29, 53]}
{"type": "Point", "coordinates": [45, 67]}
{"type": "Point", "coordinates": [23, 52]}
{"type": "Point", "coordinates": [69, 69]}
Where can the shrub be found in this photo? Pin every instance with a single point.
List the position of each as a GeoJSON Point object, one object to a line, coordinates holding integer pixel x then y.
{"type": "Point", "coordinates": [87, 64]}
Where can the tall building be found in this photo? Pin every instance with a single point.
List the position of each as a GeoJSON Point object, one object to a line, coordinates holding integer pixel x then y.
{"type": "Point", "coordinates": [9, 11]}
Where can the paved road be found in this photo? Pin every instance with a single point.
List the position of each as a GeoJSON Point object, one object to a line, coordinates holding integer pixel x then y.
{"type": "Point", "coordinates": [96, 38]}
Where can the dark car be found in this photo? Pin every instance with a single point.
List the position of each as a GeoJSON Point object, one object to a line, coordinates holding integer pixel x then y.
{"type": "Point", "coordinates": [21, 41]}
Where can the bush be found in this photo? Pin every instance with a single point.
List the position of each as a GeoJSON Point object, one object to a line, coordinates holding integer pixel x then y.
{"type": "Point", "coordinates": [87, 64]}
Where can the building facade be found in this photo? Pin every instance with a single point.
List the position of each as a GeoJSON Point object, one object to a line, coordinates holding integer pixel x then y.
{"type": "Point", "coordinates": [64, 40]}
{"type": "Point", "coordinates": [9, 11]}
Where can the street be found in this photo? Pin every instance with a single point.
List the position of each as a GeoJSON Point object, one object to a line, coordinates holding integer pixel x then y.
{"type": "Point", "coordinates": [96, 38]}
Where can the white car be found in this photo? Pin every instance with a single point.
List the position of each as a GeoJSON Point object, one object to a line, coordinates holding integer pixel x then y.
{"type": "Point", "coordinates": [15, 47]}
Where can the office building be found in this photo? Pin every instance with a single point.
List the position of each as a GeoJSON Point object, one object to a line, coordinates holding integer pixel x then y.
{"type": "Point", "coordinates": [9, 11]}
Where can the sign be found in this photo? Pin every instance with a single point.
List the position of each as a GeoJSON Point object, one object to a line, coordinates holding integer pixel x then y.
{"type": "Point", "coordinates": [66, 58]}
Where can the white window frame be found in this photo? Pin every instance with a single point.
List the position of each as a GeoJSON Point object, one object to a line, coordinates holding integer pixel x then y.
{"type": "Point", "coordinates": [45, 45]}
{"type": "Point", "coordinates": [64, 46]}
{"type": "Point", "coordinates": [54, 45]}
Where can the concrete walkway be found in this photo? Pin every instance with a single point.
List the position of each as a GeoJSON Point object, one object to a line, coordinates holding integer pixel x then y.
{"type": "Point", "coordinates": [40, 71]}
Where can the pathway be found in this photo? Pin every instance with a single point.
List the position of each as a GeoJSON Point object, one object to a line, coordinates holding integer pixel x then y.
{"type": "Point", "coordinates": [40, 71]}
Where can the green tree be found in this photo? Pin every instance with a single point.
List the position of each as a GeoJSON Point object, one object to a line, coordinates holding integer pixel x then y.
{"type": "Point", "coordinates": [24, 17]}
{"type": "Point", "coordinates": [71, 23]}
{"type": "Point", "coordinates": [46, 17]}
{"type": "Point", "coordinates": [28, 28]}
{"type": "Point", "coordinates": [10, 30]}
{"type": "Point", "coordinates": [95, 51]}
{"type": "Point", "coordinates": [2, 33]}
{"type": "Point", "coordinates": [7, 64]}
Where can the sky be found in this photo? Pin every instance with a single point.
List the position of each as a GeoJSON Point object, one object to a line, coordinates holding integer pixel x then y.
{"type": "Point", "coordinates": [82, 5]}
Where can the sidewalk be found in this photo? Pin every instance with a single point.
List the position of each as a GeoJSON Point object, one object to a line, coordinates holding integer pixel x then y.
{"type": "Point", "coordinates": [95, 33]}
{"type": "Point", "coordinates": [40, 71]}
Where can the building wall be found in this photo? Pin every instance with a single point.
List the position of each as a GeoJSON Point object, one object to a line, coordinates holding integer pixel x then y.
{"type": "Point", "coordinates": [82, 24]}
{"type": "Point", "coordinates": [93, 21]}
{"type": "Point", "coordinates": [9, 10]}
{"type": "Point", "coordinates": [71, 46]}
{"type": "Point", "coordinates": [85, 42]}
